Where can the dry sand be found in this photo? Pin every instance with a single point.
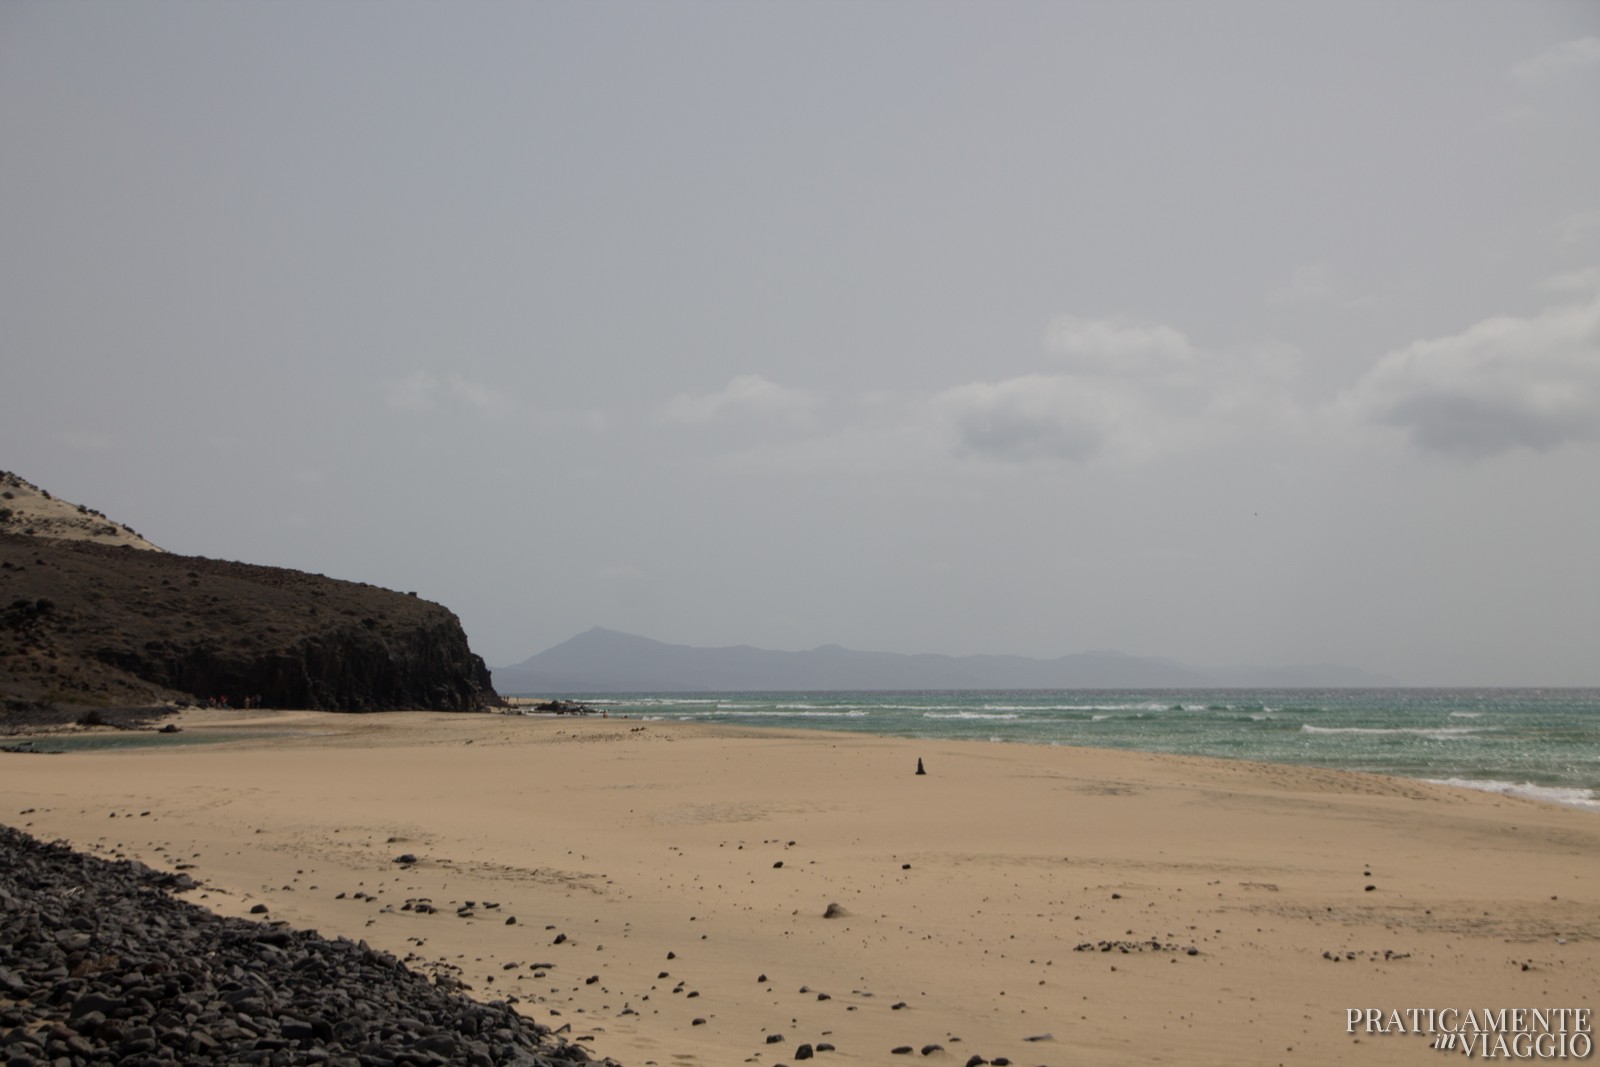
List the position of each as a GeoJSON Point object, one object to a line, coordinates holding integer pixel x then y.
{"type": "Point", "coordinates": [653, 850]}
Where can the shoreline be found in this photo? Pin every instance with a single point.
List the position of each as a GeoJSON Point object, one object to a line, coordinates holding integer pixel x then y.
{"type": "Point", "coordinates": [271, 723]}
{"type": "Point", "coordinates": [967, 893]}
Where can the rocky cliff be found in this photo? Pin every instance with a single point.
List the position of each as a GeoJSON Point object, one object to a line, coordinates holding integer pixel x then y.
{"type": "Point", "coordinates": [92, 624]}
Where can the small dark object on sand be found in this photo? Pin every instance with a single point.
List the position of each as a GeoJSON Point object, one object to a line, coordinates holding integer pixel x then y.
{"type": "Point", "coordinates": [834, 911]}
{"type": "Point", "coordinates": [919, 766]}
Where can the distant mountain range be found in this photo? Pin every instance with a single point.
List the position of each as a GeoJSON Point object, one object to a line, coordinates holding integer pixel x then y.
{"type": "Point", "coordinates": [605, 661]}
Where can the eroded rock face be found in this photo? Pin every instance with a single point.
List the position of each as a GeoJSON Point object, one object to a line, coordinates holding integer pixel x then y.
{"type": "Point", "coordinates": [88, 623]}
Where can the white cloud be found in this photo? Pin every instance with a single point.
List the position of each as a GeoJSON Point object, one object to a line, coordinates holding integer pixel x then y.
{"type": "Point", "coordinates": [1310, 283]}
{"type": "Point", "coordinates": [1119, 390]}
{"type": "Point", "coordinates": [1584, 281]}
{"type": "Point", "coordinates": [748, 395]}
{"type": "Point", "coordinates": [1502, 384]}
{"type": "Point", "coordinates": [1133, 390]}
{"type": "Point", "coordinates": [424, 391]}
{"type": "Point", "coordinates": [414, 392]}
{"type": "Point", "coordinates": [1116, 346]}
{"type": "Point", "coordinates": [1558, 59]}
{"type": "Point", "coordinates": [1579, 226]}
{"type": "Point", "coordinates": [476, 395]}
{"type": "Point", "coordinates": [1038, 416]}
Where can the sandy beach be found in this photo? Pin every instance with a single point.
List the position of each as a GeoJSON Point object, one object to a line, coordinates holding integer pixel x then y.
{"type": "Point", "coordinates": [662, 887]}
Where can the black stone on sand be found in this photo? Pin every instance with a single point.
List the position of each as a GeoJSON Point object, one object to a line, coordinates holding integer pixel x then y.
{"type": "Point", "coordinates": [100, 965]}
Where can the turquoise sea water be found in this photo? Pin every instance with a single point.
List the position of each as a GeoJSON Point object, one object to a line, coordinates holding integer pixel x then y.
{"type": "Point", "coordinates": [1542, 743]}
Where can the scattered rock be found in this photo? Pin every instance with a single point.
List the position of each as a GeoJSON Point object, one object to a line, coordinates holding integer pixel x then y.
{"type": "Point", "coordinates": [241, 991]}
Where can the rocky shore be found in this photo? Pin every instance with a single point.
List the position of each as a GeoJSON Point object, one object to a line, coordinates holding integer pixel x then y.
{"type": "Point", "coordinates": [100, 965]}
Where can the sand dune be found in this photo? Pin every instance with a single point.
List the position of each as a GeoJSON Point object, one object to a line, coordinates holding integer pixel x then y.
{"type": "Point", "coordinates": [668, 883]}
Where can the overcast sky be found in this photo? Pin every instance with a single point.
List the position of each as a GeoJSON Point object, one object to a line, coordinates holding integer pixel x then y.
{"type": "Point", "coordinates": [1226, 332]}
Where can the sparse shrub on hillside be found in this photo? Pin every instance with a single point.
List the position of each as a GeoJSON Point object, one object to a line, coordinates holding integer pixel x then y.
{"type": "Point", "coordinates": [6, 513]}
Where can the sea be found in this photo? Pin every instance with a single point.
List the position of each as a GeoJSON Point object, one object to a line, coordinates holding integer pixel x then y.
{"type": "Point", "coordinates": [1543, 744]}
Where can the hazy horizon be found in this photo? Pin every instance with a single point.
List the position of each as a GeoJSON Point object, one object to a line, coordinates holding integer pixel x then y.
{"type": "Point", "coordinates": [1221, 333]}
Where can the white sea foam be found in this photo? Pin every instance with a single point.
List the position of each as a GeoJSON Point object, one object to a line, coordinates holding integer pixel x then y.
{"type": "Point", "coordinates": [751, 712]}
{"type": "Point", "coordinates": [1466, 714]}
{"type": "Point", "coordinates": [987, 716]}
{"type": "Point", "coordinates": [1099, 718]}
{"type": "Point", "coordinates": [1439, 733]}
{"type": "Point", "coordinates": [1571, 796]}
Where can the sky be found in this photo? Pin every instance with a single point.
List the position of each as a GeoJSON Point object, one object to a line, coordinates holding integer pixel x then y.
{"type": "Point", "coordinates": [1227, 332]}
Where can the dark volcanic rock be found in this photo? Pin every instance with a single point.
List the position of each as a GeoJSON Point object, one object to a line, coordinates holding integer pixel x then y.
{"type": "Point", "coordinates": [153, 980]}
{"type": "Point", "coordinates": [91, 624]}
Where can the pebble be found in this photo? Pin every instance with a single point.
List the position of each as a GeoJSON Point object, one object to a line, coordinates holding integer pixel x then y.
{"type": "Point", "coordinates": [243, 992]}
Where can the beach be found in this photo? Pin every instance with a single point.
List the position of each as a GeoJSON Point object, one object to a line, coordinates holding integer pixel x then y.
{"type": "Point", "coordinates": [663, 888]}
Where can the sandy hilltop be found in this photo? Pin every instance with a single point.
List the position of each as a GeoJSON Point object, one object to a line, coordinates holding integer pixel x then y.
{"type": "Point", "coordinates": [682, 894]}
{"type": "Point", "coordinates": [27, 509]}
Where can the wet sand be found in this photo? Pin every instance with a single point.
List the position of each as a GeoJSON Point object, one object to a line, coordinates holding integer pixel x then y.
{"type": "Point", "coordinates": [669, 883]}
